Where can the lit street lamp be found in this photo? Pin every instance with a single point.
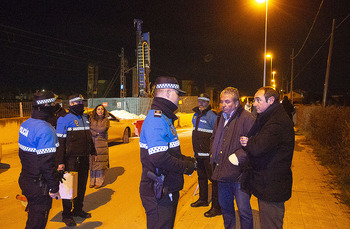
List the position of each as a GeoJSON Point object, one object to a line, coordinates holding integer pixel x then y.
{"type": "Point", "coordinates": [266, 1]}
{"type": "Point", "coordinates": [270, 56]}
{"type": "Point", "coordinates": [273, 80]}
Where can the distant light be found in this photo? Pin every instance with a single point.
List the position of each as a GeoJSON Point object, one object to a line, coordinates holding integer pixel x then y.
{"type": "Point", "coordinates": [260, 1]}
{"type": "Point", "coordinates": [122, 86]}
{"type": "Point", "coordinates": [43, 90]}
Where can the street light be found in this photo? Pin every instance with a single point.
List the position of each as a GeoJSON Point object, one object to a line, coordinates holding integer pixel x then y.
{"type": "Point", "coordinates": [270, 56]}
{"type": "Point", "coordinates": [266, 3]}
{"type": "Point", "coordinates": [273, 80]}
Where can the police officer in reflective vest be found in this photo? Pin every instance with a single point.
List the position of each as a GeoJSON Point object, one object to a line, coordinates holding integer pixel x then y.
{"type": "Point", "coordinates": [74, 136]}
{"type": "Point", "coordinates": [163, 164]}
{"type": "Point", "coordinates": [203, 123]}
{"type": "Point", "coordinates": [37, 146]}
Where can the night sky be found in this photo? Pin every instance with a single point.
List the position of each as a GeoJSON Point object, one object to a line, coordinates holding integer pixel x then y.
{"type": "Point", "coordinates": [48, 44]}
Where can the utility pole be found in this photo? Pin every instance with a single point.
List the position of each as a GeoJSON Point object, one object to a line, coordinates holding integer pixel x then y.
{"type": "Point", "coordinates": [122, 75]}
{"type": "Point", "coordinates": [324, 101]}
{"type": "Point", "coordinates": [291, 77]}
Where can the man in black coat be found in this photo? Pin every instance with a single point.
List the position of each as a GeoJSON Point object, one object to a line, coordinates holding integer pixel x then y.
{"type": "Point", "coordinates": [270, 145]}
{"type": "Point", "coordinates": [288, 106]}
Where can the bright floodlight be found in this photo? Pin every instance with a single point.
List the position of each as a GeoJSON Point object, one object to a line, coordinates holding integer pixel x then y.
{"type": "Point", "coordinates": [260, 1]}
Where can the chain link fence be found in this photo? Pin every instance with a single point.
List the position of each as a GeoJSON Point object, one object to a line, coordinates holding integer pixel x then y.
{"type": "Point", "coordinates": [15, 109]}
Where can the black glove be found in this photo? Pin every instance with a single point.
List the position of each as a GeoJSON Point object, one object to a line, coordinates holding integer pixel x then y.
{"type": "Point", "coordinates": [189, 167]}
{"type": "Point", "coordinates": [192, 159]}
{"type": "Point", "coordinates": [60, 176]}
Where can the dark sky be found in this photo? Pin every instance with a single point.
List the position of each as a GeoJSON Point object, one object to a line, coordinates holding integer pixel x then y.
{"type": "Point", "coordinates": [48, 44]}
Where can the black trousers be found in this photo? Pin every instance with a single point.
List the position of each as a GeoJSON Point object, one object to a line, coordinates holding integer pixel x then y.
{"type": "Point", "coordinates": [205, 171]}
{"type": "Point", "coordinates": [80, 165]}
{"type": "Point", "coordinates": [39, 203]}
{"type": "Point", "coordinates": [160, 213]}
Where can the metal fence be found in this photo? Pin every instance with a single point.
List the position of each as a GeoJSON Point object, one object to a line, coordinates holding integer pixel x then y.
{"type": "Point", "coordinates": [133, 105]}
{"type": "Point", "coordinates": [15, 109]}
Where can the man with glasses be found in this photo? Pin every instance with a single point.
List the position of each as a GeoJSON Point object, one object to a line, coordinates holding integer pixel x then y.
{"type": "Point", "coordinates": [163, 165]}
{"type": "Point", "coordinates": [75, 146]}
{"type": "Point", "coordinates": [270, 145]}
{"type": "Point", "coordinates": [228, 157]}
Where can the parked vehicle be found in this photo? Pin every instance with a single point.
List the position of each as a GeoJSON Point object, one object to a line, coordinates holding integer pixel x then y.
{"type": "Point", "coordinates": [120, 129]}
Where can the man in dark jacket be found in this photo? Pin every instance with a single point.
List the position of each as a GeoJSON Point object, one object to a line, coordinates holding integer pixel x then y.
{"type": "Point", "coordinates": [228, 157]}
{"type": "Point", "coordinates": [203, 124]}
{"type": "Point", "coordinates": [163, 165]}
{"type": "Point", "coordinates": [288, 107]}
{"type": "Point", "coordinates": [37, 146]}
{"type": "Point", "coordinates": [75, 146]}
{"type": "Point", "coordinates": [270, 145]}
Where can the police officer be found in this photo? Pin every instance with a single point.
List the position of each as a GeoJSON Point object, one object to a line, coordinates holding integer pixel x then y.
{"type": "Point", "coordinates": [203, 123]}
{"type": "Point", "coordinates": [59, 111]}
{"type": "Point", "coordinates": [37, 146]}
{"type": "Point", "coordinates": [161, 158]}
{"type": "Point", "coordinates": [74, 136]}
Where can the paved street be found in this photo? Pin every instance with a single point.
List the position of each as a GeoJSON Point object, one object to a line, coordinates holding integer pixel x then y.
{"type": "Point", "coordinates": [117, 204]}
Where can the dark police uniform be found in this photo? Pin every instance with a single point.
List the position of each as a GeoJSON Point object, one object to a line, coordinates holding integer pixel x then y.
{"type": "Point", "coordinates": [203, 124]}
{"type": "Point", "coordinates": [74, 136]}
{"type": "Point", "coordinates": [37, 146]}
{"type": "Point", "coordinates": [161, 156]}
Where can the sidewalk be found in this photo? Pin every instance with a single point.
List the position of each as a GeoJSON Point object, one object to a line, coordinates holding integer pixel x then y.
{"type": "Point", "coordinates": [312, 205]}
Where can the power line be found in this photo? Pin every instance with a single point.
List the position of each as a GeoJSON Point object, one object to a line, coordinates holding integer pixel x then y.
{"type": "Point", "coordinates": [41, 66]}
{"type": "Point", "coordinates": [307, 37]}
{"type": "Point", "coordinates": [111, 84]}
{"type": "Point", "coordinates": [68, 42]}
{"type": "Point", "coordinates": [318, 50]}
{"type": "Point", "coordinates": [312, 58]}
{"type": "Point", "coordinates": [342, 21]}
{"type": "Point", "coordinates": [13, 41]}
{"type": "Point", "coordinates": [57, 57]}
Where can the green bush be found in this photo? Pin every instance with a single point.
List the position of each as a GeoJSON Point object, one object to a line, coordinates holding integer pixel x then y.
{"type": "Point", "coordinates": [330, 128]}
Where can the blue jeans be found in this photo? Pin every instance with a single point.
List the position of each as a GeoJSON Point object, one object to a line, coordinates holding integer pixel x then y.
{"type": "Point", "coordinates": [227, 193]}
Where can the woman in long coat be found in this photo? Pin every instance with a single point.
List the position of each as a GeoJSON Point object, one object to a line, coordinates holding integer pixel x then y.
{"type": "Point", "coordinates": [99, 124]}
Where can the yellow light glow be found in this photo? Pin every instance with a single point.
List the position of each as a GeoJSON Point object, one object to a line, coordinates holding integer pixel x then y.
{"type": "Point", "coordinates": [273, 72]}
{"type": "Point", "coordinates": [268, 55]}
{"type": "Point", "coordinates": [260, 1]}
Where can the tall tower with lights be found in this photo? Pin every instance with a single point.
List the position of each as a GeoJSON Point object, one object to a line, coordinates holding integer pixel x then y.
{"type": "Point", "coordinates": [143, 60]}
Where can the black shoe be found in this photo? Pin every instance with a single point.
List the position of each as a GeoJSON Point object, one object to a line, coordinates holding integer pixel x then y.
{"type": "Point", "coordinates": [213, 212]}
{"type": "Point", "coordinates": [69, 221]}
{"type": "Point", "coordinates": [81, 214]}
{"type": "Point", "coordinates": [200, 203]}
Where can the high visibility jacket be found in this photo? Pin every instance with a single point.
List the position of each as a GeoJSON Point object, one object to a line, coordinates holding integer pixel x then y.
{"type": "Point", "coordinates": [37, 147]}
{"type": "Point", "coordinates": [203, 124]}
{"type": "Point", "coordinates": [74, 136]}
{"type": "Point", "coordinates": [160, 153]}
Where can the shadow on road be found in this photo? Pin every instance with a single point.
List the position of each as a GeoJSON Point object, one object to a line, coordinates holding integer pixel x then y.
{"type": "Point", "coordinates": [94, 200]}
{"type": "Point", "coordinates": [88, 225]}
{"type": "Point", "coordinates": [91, 202]}
{"type": "Point", "coordinates": [4, 167]}
{"type": "Point", "coordinates": [112, 175]}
